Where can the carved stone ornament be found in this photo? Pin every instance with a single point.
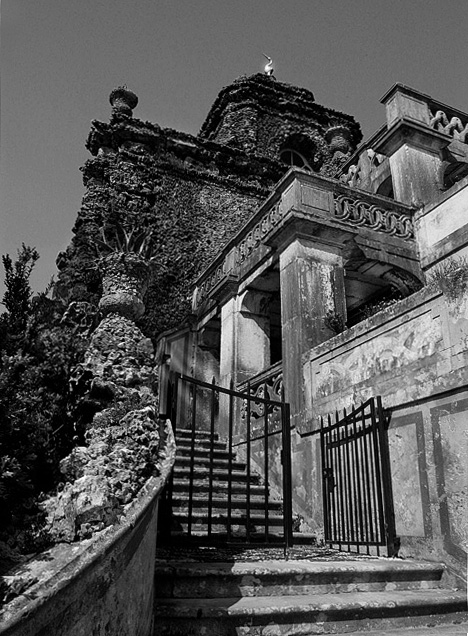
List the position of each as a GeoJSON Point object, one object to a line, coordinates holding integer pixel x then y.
{"type": "Point", "coordinates": [124, 283]}
{"type": "Point", "coordinates": [123, 101]}
{"type": "Point", "coordinates": [338, 138]}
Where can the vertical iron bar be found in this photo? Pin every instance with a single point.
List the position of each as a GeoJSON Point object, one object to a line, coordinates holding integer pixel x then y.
{"type": "Point", "coordinates": [357, 482]}
{"type": "Point", "coordinates": [389, 521]}
{"type": "Point", "coordinates": [287, 477]}
{"type": "Point", "coordinates": [378, 477]}
{"type": "Point", "coordinates": [171, 403]}
{"type": "Point", "coordinates": [341, 515]}
{"type": "Point", "coordinates": [192, 460]}
{"type": "Point", "coordinates": [369, 481]}
{"type": "Point", "coordinates": [345, 486]}
{"type": "Point", "coordinates": [247, 485]}
{"type": "Point", "coordinates": [348, 480]}
{"type": "Point", "coordinates": [212, 434]}
{"type": "Point", "coordinates": [334, 500]}
{"type": "Point", "coordinates": [325, 483]}
{"type": "Point", "coordinates": [265, 433]}
{"type": "Point", "coordinates": [229, 510]}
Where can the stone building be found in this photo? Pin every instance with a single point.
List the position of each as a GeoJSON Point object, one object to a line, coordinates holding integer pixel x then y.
{"type": "Point", "coordinates": [288, 254]}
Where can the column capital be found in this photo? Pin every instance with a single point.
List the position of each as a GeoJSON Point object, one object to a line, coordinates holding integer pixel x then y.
{"type": "Point", "coordinates": [318, 232]}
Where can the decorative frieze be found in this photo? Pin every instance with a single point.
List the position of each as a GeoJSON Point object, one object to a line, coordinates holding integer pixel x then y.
{"type": "Point", "coordinates": [253, 239]}
{"type": "Point", "coordinates": [361, 213]}
{"type": "Point", "coordinates": [211, 281]}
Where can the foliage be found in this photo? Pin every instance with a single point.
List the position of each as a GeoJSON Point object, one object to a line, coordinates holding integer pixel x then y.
{"type": "Point", "coordinates": [451, 278]}
{"type": "Point", "coordinates": [335, 322]}
{"type": "Point", "coordinates": [373, 308]}
{"type": "Point", "coordinates": [17, 297]}
{"type": "Point", "coordinates": [37, 354]}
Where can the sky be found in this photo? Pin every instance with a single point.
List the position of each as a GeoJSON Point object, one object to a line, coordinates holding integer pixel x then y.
{"type": "Point", "coordinates": [60, 59]}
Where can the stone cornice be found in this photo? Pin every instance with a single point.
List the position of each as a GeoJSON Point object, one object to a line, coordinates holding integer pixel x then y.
{"type": "Point", "coordinates": [412, 132]}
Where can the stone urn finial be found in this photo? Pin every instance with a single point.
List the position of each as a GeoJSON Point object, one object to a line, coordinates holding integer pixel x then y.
{"type": "Point", "coordinates": [339, 138]}
{"type": "Point", "coordinates": [124, 283]}
{"type": "Point", "coordinates": [123, 101]}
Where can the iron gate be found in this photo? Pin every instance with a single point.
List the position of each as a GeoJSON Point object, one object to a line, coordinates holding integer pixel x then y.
{"type": "Point", "coordinates": [356, 480]}
{"type": "Point", "coordinates": [256, 432]}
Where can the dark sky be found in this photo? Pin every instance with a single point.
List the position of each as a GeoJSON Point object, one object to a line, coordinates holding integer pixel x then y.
{"type": "Point", "coordinates": [61, 58]}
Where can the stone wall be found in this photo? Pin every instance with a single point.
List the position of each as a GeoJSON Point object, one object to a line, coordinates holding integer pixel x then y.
{"type": "Point", "coordinates": [415, 355]}
{"type": "Point", "coordinates": [103, 585]}
{"type": "Point", "coordinates": [441, 227]}
{"type": "Point", "coordinates": [186, 195]}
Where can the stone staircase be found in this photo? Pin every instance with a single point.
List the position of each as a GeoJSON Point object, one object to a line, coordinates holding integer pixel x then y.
{"type": "Point", "coordinates": [219, 516]}
{"type": "Point", "coordinates": [211, 591]}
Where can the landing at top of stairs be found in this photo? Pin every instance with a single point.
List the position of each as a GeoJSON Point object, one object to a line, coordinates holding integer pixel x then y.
{"type": "Point", "coordinates": [242, 553]}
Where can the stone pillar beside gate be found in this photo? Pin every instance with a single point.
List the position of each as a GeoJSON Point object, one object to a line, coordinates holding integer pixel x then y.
{"type": "Point", "coordinates": [312, 299]}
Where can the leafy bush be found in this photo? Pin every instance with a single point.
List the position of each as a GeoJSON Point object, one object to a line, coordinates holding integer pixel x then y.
{"type": "Point", "coordinates": [451, 278]}
{"type": "Point", "coordinates": [38, 351]}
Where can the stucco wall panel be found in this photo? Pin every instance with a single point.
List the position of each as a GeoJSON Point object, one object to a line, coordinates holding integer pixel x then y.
{"type": "Point", "coordinates": [415, 355]}
{"type": "Point", "coordinates": [407, 495]}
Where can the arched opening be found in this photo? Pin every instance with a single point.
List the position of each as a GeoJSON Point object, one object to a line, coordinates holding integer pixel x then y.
{"type": "Point", "coordinates": [292, 157]}
{"type": "Point", "coordinates": [299, 151]}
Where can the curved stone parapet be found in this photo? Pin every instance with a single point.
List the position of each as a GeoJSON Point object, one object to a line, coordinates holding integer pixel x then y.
{"type": "Point", "coordinates": [103, 585]}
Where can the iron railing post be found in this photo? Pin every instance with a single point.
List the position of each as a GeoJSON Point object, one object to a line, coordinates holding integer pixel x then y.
{"type": "Point", "coordinates": [390, 528]}
{"type": "Point", "coordinates": [287, 478]}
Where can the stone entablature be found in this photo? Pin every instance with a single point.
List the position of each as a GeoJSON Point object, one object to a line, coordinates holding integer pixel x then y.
{"type": "Point", "coordinates": [318, 202]}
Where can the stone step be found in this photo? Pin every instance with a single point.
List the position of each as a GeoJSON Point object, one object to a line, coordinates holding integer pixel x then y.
{"type": "Point", "coordinates": [451, 629]}
{"type": "Point", "coordinates": [221, 503]}
{"type": "Point", "coordinates": [219, 475]}
{"type": "Point", "coordinates": [222, 519]}
{"type": "Point", "coordinates": [287, 578]}
{"type": "Point", "coordinates": [308, 614]}
{"type": "Point", "coordinates": [238, 539]}
{"type": "Point", "coordinates": [186, 433]}
{"type": "Point", "coordinates": [218, 463]}
{"type": "Point", "coordinates": [219, 487]}
{"type": "Point", "coordinates": [201, 444]}
{"type": "Point", "coordinates": [203, 453]}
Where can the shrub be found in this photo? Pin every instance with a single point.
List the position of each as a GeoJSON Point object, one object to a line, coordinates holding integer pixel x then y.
{"type": "Point", "coordinates": [451, 278]}
{"type": "Point", "coordinates": [38, 351]}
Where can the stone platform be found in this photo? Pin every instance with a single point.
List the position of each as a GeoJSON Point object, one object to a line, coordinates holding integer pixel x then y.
{"type": "Point", "coordinates": [252, 592]}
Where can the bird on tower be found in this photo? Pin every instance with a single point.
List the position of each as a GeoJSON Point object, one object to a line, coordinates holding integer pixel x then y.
{"type": "Point", "coordinates": [269, 66]}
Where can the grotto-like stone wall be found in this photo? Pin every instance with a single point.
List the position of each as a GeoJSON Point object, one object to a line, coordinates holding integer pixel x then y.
{"type": "Point", "coordinates": [261, 115]}
{"type": "Point", "coordinates": [186, 195]}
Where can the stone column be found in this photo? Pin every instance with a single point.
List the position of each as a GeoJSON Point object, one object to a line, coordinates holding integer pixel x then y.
{"type": "Point", "coordinates": [312, 287]}
{"type": "Point", "coordinates": [245, 341]}
{"type": "Point", "coordinates": [245, 337]}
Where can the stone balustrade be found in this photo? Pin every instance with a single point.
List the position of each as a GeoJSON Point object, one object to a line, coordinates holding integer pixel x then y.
{"type": "Point", "coordinates": [449, 123]}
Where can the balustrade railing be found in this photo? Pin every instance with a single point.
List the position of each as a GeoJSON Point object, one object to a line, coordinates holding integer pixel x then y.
{"type": "Point", "coordinates": [450, 124]}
